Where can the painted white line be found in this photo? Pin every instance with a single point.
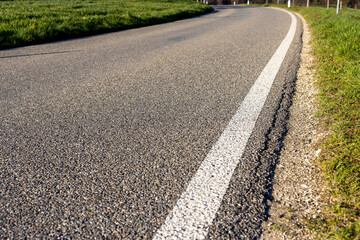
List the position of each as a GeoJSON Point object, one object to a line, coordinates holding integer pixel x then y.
{"type": "Point", "coordinates": [197, 206]}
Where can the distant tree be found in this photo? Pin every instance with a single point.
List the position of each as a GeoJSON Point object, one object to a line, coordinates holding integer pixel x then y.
{"type": "Point", "coordinates": [353, 4]}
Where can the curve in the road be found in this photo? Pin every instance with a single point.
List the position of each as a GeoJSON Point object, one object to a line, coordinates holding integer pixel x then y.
{"type": "Point", "coordinates": [100, 136]}
{"type": "Point", "coordinates": [196, 209]}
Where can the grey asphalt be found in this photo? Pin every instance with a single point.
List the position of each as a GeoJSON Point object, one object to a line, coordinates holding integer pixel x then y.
{"type": "Point", "coordinates": [99, 136]}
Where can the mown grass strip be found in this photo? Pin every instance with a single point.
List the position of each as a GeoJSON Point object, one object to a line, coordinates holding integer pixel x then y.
{"type": "Point", "coordinates": [337, 48]}
{"type": "Point", "coordinates": [336, 41]}
{"type": "Point", "coordinates": [24, 22]}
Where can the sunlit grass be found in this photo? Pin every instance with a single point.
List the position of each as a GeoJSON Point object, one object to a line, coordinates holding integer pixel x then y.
{"type": "Point", "coordinates": [337, 48]}
{"type": "Point", "coordinates": [24, 22]}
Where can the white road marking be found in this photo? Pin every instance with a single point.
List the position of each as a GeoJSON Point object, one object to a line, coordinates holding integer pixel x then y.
{"type": "Point", "coordinates": [197, 206]}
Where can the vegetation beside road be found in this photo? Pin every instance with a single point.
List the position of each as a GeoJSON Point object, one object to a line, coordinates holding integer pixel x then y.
{"type": "Point", "coordinates": [336, 40]}
{"type": "Point", "coordinates": [24, 22]}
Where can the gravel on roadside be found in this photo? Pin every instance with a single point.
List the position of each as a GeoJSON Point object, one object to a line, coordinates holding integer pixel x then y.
{"type": "Point", "coordinates": [299, 187]}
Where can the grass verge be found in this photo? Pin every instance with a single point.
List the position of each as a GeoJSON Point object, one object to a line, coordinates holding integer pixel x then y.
{"type": "Point", "coordinates": [25, 22]}
{"type": "Point", "coordinates": [336, 40]}
{"type": "Point", "coordinates": [337, 49]}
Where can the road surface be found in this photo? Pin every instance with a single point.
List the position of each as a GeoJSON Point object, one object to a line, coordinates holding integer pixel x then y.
{"type": "Point", "coordinates": [101, 136]}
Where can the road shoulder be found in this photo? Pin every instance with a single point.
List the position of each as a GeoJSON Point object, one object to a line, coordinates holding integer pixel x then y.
{"type": "Point", "coordinates": [298, 185]}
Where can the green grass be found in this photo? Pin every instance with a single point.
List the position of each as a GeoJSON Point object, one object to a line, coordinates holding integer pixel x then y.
{"type": "Point", "coordinates": [24, 22]}
{"type": "Point", "coordinates": [337, 49]}
{"type": "Point", "coordinates": [336, 40]}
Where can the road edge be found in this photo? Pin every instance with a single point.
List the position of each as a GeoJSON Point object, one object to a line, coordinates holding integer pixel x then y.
{"type": "Point", "coordinates": [298, 185]}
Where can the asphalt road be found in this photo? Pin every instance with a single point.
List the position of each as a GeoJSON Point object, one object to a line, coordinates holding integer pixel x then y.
{"type": "Point", "coordinates": [100, 136]}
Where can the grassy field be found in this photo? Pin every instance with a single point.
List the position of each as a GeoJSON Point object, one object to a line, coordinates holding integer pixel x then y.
{"type": "Point", "coordinates": [337, 51]}
{"type": "Point", "coordinates": [24, 22]}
